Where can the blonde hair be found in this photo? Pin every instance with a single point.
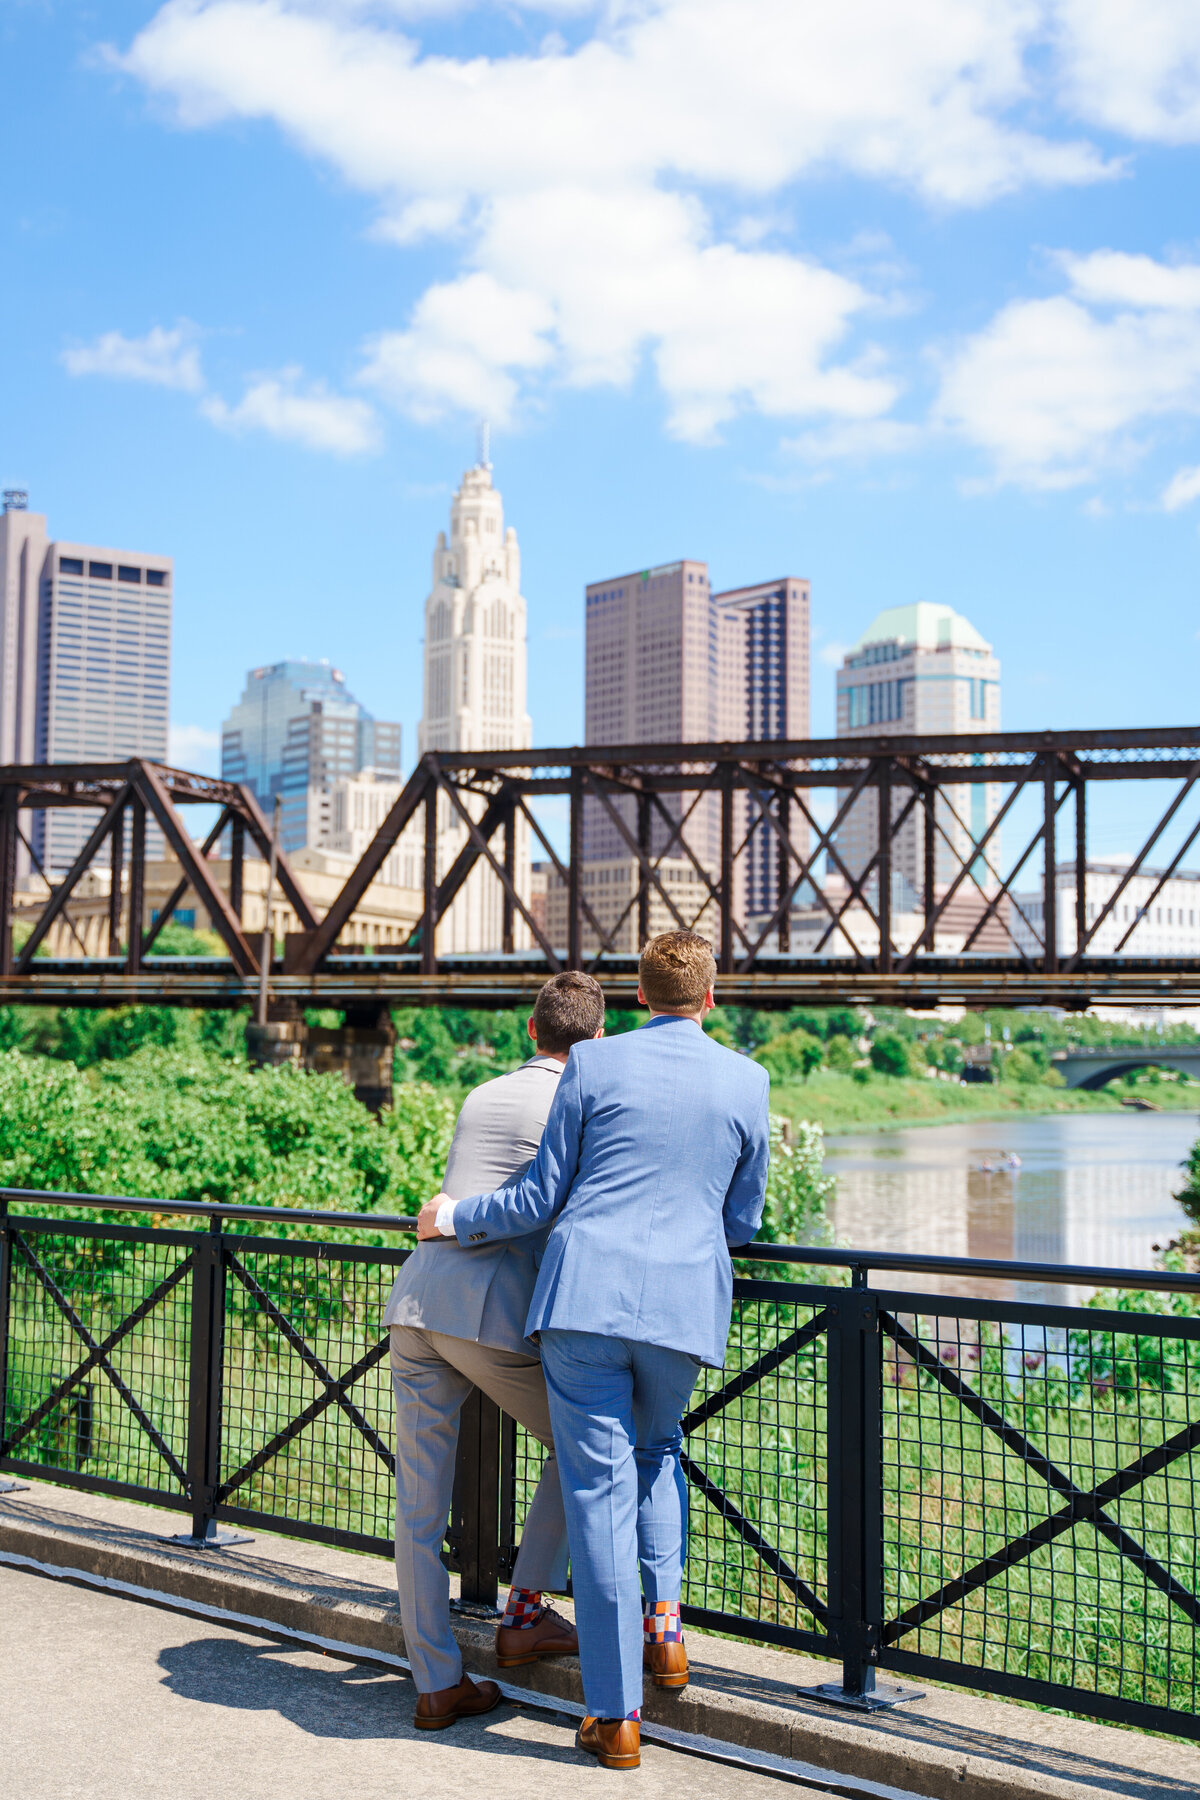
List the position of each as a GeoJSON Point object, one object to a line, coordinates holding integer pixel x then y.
{"type": "Point", "coordinates": [676, 970]}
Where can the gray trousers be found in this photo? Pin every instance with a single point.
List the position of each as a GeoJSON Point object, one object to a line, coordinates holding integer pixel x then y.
{"type": "Point", "coordinates": [432, 1374]}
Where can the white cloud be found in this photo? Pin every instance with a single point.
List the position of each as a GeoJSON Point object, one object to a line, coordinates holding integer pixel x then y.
{"type": "Point", "coordinates": [466, 340]}
{"type": "Point", "coordinates": [286, 407]}
{"type": "Point", "coordinates": [193, 747]}
{"type": "Point", "coordinates": [833, 654]}
{"type": "Point", "coordinates": [1181, 490]}
{"type": "Point", "coordinates": [846, 442]}
{"type": "Point", "coordinates": [577, 185]}
{"type": "Point", "coordinates": [1056, 389]}
{"type": "Point", "coordinates": [164, 358]}
{"type": "Point", "coordinates": [1132, 66]}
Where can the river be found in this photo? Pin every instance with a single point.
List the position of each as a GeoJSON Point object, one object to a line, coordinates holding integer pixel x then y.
{"type": "Point", "coordinates": [1094, 1188]}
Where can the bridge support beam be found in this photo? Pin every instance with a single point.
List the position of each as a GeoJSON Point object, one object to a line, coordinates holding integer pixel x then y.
{"type": "Point", "coordinates": [361, 1051]}
{"type": "Point", "coordinates": [281, 1040]}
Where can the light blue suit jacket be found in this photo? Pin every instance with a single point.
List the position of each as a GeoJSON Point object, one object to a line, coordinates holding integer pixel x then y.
{"type": "Point", "coordinates": [653, 1161]}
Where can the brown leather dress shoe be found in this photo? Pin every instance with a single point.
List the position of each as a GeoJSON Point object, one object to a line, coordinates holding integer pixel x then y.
{"type": "Point", "coordinates": [551, 1636]}
{"type": "Point", "coordinates": [466, 1701]}
{"type": "Point", "coordinates": [615, 1743]}
{"type": "Point", "coordinates": [666, 1664]}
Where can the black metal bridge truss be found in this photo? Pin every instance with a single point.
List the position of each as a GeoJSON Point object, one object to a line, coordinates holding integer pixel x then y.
{"type": "Point", "coordinates": [653, 797]}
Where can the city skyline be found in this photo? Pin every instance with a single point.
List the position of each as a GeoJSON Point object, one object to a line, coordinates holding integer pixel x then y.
{"type": "Point", "coordinates": [924, 328]}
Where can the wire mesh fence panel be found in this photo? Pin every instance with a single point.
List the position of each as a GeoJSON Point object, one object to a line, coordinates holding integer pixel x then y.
{"type": "Point", "coordinates": [306, 1399]}
{"type": "Point", "coordinates": [756, 1466]}
{"type": "Point", "coordinates": [1041, 1506]}
{"type": "Point", "coordinates": [755, 1471]}
{"type": "Point", "coordinates": [97, 1356]}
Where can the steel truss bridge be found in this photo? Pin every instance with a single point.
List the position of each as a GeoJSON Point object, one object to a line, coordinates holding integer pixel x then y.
{"type": "Point", "coordinates": [654, 796]}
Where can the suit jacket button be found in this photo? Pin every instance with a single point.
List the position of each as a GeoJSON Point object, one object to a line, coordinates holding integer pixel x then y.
{"type": "Point", "coordinates": [477, 1237]}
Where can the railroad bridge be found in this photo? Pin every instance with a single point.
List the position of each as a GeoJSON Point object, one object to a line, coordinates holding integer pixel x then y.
{"type": "Point", "coordinates": [829, 931]}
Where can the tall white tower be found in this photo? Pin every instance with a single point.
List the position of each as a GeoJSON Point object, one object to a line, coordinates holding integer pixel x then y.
{"type": "Point", "coordinates": [474, 699]}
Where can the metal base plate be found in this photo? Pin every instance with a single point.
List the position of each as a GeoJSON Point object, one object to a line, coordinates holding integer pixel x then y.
{"type": "Point", "coordinates": [877, 1699]}
{"type": "Point", "coordinates": [216, 1540]}
{"type": "Point", "coordinates": [475, 1609]}
{"type": "Point", "coordinates": [9, 1486]}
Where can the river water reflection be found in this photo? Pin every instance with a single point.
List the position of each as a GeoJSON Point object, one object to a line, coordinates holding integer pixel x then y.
{"type": "Point", "coordinates": [1094, 1188]}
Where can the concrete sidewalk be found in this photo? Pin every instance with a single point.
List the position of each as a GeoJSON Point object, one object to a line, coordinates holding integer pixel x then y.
{"type": "Point", "coordinates": [742, 1696]}
{"type": "Point", "coordinates": [103, 1699]}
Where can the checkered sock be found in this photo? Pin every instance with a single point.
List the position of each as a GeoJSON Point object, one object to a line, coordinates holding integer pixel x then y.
{"type": "Point", "coordinates": [660, 1622]}
{"type": "Point", "coordinates": [524, 1608]}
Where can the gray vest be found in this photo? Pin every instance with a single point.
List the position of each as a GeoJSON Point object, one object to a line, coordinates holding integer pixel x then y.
{"type": "Point", "coordinates": [483, 1294]}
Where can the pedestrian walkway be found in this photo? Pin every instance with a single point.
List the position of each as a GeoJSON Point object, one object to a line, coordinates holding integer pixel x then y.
{"type": "Point", "coordinates": [104, 1698]}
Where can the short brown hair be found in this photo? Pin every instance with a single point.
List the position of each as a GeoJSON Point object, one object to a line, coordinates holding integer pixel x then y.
{"type": "Point", "coordinates": [569, 1009]}
{"type": "Point", "coordinates": [676, 970]}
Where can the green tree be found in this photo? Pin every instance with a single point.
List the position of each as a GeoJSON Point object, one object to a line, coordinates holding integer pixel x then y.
{"type": "Point", "coordinates": [840, 1053]}
{"type": "Point", "coordinates": [890, 1054]}
{"type": "Point", "coordinates": [791, 1056]}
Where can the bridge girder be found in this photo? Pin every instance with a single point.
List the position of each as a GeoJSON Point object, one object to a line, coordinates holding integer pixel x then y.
{"type": "Point", "coordinates": [757, 801]}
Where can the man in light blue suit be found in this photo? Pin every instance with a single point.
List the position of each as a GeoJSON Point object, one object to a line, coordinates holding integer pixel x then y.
{"type": "Point", "coordinates": [652, 1164]}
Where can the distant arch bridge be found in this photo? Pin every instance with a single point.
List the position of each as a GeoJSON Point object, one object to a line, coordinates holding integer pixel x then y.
{"type": "Point", "coordinates": [1093, 1068]}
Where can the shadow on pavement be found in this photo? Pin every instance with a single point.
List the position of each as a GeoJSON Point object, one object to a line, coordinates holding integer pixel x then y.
{"type": "Point", "coordinates": [325, 1696]}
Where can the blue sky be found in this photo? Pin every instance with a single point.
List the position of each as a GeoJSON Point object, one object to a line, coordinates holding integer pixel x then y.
{"type": "Point", "coordinates": [904, 298]}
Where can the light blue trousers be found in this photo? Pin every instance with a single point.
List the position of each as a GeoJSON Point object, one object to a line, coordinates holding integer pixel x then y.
{"type": "Point", "coordinates": [615, 1406]}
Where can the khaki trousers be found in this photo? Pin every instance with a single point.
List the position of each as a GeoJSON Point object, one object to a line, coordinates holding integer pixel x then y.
{"type": "Point", "coordinates": [432, 1374]}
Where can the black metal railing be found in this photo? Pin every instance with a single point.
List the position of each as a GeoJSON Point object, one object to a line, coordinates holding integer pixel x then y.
{"type": "Point", "coordinates": [986, 1491]}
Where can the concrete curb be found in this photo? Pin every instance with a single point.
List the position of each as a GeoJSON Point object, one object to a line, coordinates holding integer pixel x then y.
{"type": "Point", "coordinates": [742, 1700]}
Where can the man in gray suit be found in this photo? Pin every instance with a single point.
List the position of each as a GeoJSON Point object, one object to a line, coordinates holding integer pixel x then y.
{"type": "Point", "coordinates": [457, 1319]}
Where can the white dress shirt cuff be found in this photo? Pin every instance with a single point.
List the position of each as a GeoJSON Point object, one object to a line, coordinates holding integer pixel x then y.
{"type": "Point", "coordinates": [445, 1218]}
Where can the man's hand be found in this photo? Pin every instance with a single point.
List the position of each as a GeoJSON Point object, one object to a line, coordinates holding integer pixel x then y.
{"type": "Point", "coordinates": [427, 1217]}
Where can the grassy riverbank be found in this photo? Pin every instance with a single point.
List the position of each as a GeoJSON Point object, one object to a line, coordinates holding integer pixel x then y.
{"type": "Point", "coordinates": [839, 1103]}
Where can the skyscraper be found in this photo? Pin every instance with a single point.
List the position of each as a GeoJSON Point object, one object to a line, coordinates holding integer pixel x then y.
{"type": "Point", "coordinates": [651, 678]}
{"type": "Point", "coordinates": [296, 730]}
{"type": "Point", "coordinates": [763, 693]}
{"type": "Point", "coordinates": [920, 669]}
{"type": "Point", "coordinates": [668, 661]}
{"type": "Point", "coordinates": [85, 658]}
{"type": "Point", "coordinates": [474, 698]}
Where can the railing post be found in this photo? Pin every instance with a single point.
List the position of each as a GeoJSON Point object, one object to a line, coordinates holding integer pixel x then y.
{"type": "Point", "coordinates": [6, 1485]}
{"type": "Point", "coordinates": [855, 1413]}
{"type": "Point", "coordinates": [204, 1391]}
{"type": "Point", "coordinates": [477, 1486]}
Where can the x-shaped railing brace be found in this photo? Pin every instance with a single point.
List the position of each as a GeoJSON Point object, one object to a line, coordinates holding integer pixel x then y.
{"type": "Point", "coordinates": [99, 1352]}
{"type": "Point", "coordinates": [1083, 1505]}
{"type": "Point", "coordinates": [336, 1388]}
{"type": "Point", "coordinates": [784, 1351]}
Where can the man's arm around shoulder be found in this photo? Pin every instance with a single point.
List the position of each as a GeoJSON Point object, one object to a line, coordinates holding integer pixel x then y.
{"type": "Point", "coordinates": [529, 1204]}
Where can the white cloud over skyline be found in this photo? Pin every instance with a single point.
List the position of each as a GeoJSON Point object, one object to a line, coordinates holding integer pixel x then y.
{"type": "Point", "coordinates": [1056, 390]}
{"type": "Point", "coordinates": [169, 359]}
{"type": "Point", "coordinates": [286, 406]}
{"type": "Point", "coordinates": [602, 208]}
{"type": "Point", "coordinates": [578, 185]}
